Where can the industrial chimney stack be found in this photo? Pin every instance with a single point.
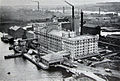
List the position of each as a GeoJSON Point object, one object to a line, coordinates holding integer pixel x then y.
{"type": "Point", "coordinates": [37, 4]}
{"type": "Point", "coordinates": [63, 10]}
{"type": "Point", "coordinates": [99, 11]}
{"type": "Point", "coordinates": [72, 24]}
{"type": "Point", "coordinates": [73, 18]}
{"type": "Point", "coordinates": [81, 23]}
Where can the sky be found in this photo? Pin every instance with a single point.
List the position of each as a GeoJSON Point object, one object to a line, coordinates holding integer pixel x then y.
{"type": "Point", "coordinates": [51, 2]}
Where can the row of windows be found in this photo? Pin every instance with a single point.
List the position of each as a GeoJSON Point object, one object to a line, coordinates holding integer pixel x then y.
{"type": "Point", "coordinates": [83, 46]}
{"type": "Point", "coordinates": [84, 53]}
{"type": "Point", "coordinates": [82, 50]}
{"type": "Point", "coordinates": [84, 40]}
{"type": "Point", "coordinates": [71, 43]}
{"type": "Point", "coordinates": [50, 36]}
{"type": "Point", "coordinates": [54, 49]}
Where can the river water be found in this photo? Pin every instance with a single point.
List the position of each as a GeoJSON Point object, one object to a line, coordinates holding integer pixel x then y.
{"type": "Point", "coordinates": [68, 11]}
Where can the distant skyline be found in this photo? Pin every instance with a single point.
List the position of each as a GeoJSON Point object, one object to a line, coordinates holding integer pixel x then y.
{"type": "Point", "coordinates": [51, 2]}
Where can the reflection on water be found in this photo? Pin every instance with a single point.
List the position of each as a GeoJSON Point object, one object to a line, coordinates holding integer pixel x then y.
{"type": "Point", "coordinates": [23, 70]}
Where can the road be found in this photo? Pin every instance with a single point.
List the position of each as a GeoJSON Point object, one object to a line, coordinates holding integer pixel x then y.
{"type": "Point", "coordinates": [98, 70]}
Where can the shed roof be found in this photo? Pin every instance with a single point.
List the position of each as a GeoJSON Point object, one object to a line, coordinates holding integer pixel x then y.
{"type": "Point", "coordinates": [58, 32]}
{"type": "Point", "coordinates": [55, 56]}
{"type": "Point", "coordinates": [15, 28]}
{"type": "Point", "coordinates": [52, 57]}
{"type": "Point", "coordinates": [90, 25]}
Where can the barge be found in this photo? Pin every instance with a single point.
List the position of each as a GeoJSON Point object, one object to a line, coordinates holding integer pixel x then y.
{"type": "Point", "coordinates": [34, 61]}
{"type": "Point", "coordinates": [7, 38]}
{"type": "Point", "coordinates": [13, 56]}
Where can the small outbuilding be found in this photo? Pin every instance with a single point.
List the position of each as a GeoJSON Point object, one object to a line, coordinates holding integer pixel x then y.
{"type": "Point", "coordinates": [16, 32]}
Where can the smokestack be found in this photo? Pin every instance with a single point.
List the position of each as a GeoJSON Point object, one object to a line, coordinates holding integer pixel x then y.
{"type": "Point", "coordinates": [72, 24]}
{"type": "Point", "coordinates": [78, 12]}
{"type": "Point", "coordinates": [38, 5]}
{"type": "Point", "coordinates": [63, 9]}
{"type": "Point", "coordinates": [81, 23]}
{"type": "Point", "coordinates": [99, 11]}
{"type": "Point", "coordinates": [73, 18]}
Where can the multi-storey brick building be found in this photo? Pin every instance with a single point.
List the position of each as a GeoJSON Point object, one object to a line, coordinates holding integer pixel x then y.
{"type": "Point", "coordinates": [81, 46]}
{"type": "Point", "coordinates": [55, 39]}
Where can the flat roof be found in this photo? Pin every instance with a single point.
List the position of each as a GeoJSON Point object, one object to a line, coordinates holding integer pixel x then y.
{"type": "Point", "coordinates": [31, 32]}
{"type": "Point", "coordinates": [81, 37]}
{"type": "Point", "coordinates": [51, 57]}
{"type": "Point", "coordinates": [29, 26]}
{"type": "Point", "coordinates": [58, 32]}
{"type": "Point", "coordinates": [90, 25]}
{"type": "Point", "coordinates": [55, 56]}
{"type": "Point", "coordinates": [14, 28]}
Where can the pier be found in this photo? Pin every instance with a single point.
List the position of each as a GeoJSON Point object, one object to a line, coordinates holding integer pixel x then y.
{"type": "Point", "coordinates": [77, 71]}
{"type": "Point", "coordinates": [38, 64]}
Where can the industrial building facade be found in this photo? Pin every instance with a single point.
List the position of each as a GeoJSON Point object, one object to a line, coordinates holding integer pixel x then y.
{"type": "Point", "coordinates": [50, 42]}
{"type": "Point", "coordinates": [81, 46]}
{"type": "Point", "coordinates": [53, 38]}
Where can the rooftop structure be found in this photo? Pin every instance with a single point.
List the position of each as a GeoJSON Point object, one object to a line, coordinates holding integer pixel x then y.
{"type": "Point", "coordinates": [91, 29]}
{"type": "Point", "coordinates": [28, 28]}
{"type": "Point", "coordinates": [53, 58]}
{"type": "Point", "coordinates": [15, 28]}
{"type": "Point", "coordinates": [16, 32]}
{"type": "Point", "coordinates": [58, 33]}
{"type": "Point", "coordinates": [30, 34]}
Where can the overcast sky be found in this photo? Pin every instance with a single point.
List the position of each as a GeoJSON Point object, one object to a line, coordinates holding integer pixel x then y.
{"type": "Point", "coordinates": [51, 2]}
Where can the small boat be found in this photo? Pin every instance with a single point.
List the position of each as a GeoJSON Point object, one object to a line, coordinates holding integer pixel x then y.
{"type": "Point", "coordinates": [17, 49]}
{"type": "Point", "coordinates": [11, 47]}
{"type": "Point", "coordinates": [108, 70]}
{"type": "Point", "coordinates": [7, 38]}
{"type": "Point", "coordinates": [4, 38]}
{"type": "Point", "coordinates": [33, 44]}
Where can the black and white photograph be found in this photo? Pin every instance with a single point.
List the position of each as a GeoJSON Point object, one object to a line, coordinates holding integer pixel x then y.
{"type": "Point", "coordinates": [59, 40]}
